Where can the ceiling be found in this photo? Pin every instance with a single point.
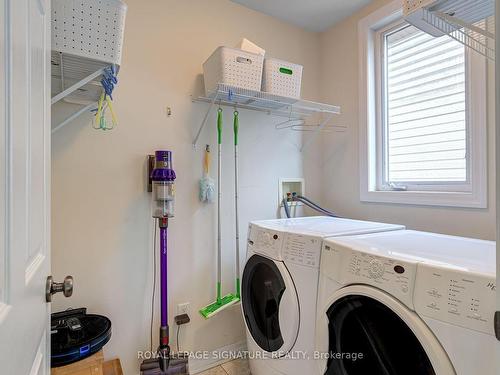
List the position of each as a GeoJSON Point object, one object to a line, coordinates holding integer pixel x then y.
{"type": "Point", "coordinates": [313, 15]}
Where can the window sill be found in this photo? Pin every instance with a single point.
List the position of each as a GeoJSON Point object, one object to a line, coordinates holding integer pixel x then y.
{"type": "Point", "coordinates": [426, 198]}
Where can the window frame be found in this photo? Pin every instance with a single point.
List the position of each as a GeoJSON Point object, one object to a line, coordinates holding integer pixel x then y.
{"type": "Point", "coordinates": [382, 158]}
{"type": "Point", "coordinates": [472, 193]}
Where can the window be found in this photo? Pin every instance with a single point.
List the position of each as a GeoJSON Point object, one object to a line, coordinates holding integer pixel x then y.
{"type": "Point", "coordinates": [423, 105]}
{"type": "Point", "coordinates": [424, 100]}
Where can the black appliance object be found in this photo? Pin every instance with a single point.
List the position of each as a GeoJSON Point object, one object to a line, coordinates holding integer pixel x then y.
{"type": "Point", "coordinates": [76, 335]}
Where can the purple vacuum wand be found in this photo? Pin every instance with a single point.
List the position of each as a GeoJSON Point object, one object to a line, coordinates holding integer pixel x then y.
{"type": "Point", "coordinates": [163, 177]}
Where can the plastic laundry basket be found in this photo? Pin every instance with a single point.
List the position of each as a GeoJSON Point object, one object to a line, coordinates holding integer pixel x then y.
{"type": "Point", "coordinates": [89, 28]}
{"type": "Point", "coordinates": [233, 67]}
{"type": "Point", "coordinates": [282, 78]}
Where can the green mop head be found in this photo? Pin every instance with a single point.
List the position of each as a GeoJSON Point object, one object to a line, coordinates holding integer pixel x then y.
{"type": "Point", "coordinates": [220, 304]}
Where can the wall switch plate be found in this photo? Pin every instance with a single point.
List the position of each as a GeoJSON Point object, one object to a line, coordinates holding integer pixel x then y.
{"type": "Point", "coordinates": [183, 308]}
{"type": "Point", "coordinates": [290, 185]}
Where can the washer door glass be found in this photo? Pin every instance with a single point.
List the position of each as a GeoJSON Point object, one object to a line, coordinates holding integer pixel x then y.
{"type": "Point", "coordinates": [268, 293]}
{"type": "Point", "coordinates": [361, 325]}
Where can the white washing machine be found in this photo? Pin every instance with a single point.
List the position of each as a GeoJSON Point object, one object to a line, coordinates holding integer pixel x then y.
{"type": "Point", "coordinates": [279, 289]}
{"type": "Point", "coordinates": [406, 303]}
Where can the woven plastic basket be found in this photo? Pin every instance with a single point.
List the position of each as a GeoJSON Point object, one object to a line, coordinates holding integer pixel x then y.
{"type": "Point", "coordinates": [233, 67]}
{"type": "Point", "coordinates": [89, 28]}
{"type": "Point", "coordinates": [282, 78]}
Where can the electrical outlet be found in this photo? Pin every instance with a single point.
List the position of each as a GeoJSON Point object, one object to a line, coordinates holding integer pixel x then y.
{"type": "Point", "coordinates": [183, 308]}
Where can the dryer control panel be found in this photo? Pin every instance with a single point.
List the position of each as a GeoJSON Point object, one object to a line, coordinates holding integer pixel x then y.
{"type": "Point", "coordinates": [348, 266]}
{"type": "Point", "coordinates": [457, 297]}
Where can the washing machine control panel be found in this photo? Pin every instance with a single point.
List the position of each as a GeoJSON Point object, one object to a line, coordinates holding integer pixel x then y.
{"type": "Point", "coordinates": [460, 298]}
{"type": "Point", "coordinates": [348, 266]}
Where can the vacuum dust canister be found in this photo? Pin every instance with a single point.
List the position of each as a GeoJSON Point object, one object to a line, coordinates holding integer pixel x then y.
{"type": "Point", "coordinates": [163, 177]}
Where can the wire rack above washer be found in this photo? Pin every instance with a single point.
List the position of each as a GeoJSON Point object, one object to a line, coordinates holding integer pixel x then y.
{"type": "Point", "coordinates": [463, 20]}
{"type": "Point", "coordinates": [291, 108]}
{"type": "Point", "coordinates": [265, 102]}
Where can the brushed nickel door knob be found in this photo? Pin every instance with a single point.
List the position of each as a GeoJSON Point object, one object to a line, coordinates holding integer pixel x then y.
{"type": "Point", "coordinates": [51, 287]}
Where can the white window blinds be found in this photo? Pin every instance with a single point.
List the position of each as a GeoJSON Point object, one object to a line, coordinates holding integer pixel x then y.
{"type": "Point", "coordinates": [425, 108]}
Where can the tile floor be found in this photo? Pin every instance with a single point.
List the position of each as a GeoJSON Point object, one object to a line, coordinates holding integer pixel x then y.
{"type": "Point", "coordinates": [236, 367]}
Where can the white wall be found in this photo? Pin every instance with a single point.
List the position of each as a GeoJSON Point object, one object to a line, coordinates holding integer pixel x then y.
{"type": "Point", "coordinates": [340, 157]}
{"type": "Point", "coordinates": [101, 225]}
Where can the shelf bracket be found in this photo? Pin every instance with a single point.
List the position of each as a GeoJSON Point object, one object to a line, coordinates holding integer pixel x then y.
{"type": "Point", "coordinates": [77, 85]}
{"type": "Point", "coordinates": [205, 118]}
{"type": "Point", "coordinates": [74, 116]}
{"type": "Point", "coordinates": [316, 132]}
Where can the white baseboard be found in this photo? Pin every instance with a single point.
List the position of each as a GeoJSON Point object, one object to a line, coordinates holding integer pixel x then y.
{"type": "Point", "coordinates": [215, 358]}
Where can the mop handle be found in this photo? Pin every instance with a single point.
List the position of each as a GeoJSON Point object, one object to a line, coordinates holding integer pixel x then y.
{"type": "Point", "coordinates": [236, 125]}
{"type": "Point", "coordinates": [219, 198]}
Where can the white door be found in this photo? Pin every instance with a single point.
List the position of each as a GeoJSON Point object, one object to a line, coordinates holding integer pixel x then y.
{"type": "Point", "coordinates": [497, 150]}
{"type": "Point", "coordinates": [24, 186]}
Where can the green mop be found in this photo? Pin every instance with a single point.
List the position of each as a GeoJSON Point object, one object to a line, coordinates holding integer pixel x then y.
{"type": "Point", "coordinates": [221, 303]}
{"type": "Point", "coordinates": [236, 125]}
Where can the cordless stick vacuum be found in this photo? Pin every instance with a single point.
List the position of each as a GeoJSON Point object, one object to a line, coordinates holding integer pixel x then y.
{"type": "Point", "coordinates": [162, 178]}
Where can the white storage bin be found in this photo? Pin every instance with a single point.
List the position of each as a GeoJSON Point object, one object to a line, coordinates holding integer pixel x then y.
{"type": "Point", "coordinates": [233, 67]}
{"type": "Point", "coordinates": [89, 28]}
{"type": "Point", "coordinates": [282, 78]}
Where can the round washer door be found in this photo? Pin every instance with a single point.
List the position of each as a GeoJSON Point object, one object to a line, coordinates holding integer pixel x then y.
{"type": "Point", "coordinates": [270, 305]}
{"type": "Point", "coordinates": [366, 331]}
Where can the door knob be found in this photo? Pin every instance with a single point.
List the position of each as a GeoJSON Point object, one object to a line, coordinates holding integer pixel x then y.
{"type": "Point", "coordinates": [51, 287]}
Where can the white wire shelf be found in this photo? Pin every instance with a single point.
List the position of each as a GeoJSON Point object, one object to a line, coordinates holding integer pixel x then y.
{"type": "Point", "coordinates": [466, 21]}
{"type": "Point", "coordinates": [469, 11]}
{"type": "Point", "coordinates": [293, 109]}
{"type": "Point", "coordinates": [68, 70]}
{"type": "Point", "coordinates": [76, 80]}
